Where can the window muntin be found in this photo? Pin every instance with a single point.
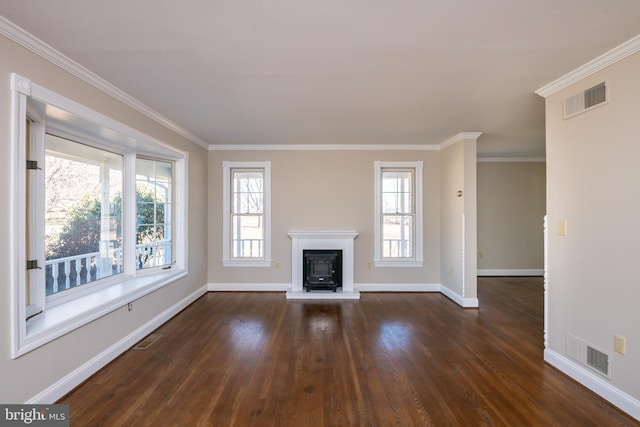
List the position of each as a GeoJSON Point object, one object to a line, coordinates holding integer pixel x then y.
{"type": "Point", "coordinates": [246, 223]}
{"type": "Point", "coordinates": [154, 213]}
{"type": "Point", "coordinates": [82, 214]}
{"type": "Point", "coordinates": [398, 213]}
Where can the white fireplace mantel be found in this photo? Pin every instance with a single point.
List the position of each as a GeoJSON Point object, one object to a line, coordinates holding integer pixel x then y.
{"type": "Point", "coordinates": [341, 240]}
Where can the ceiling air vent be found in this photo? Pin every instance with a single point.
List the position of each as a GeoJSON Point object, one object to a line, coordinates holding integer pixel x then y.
{"type": "Point", "coordinates": [585, 100]}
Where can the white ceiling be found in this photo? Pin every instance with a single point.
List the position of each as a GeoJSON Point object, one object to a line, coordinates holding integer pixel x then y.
{"type": "Point", "coordinates": [337, 72]}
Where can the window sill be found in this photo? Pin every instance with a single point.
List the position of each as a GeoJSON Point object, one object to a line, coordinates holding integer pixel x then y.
{"type": "Point", "coordinates": [65, 317]}
{"type": "Point", "coordinates": [400, 263]}
{"type": "Point", "coordinates": [246, 263]}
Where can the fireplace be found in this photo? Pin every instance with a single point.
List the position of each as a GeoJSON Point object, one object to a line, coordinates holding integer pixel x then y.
{"type": "Point", "coordinates": [322, 269]}
{"type": "Point", "coordinates": [322, 241]}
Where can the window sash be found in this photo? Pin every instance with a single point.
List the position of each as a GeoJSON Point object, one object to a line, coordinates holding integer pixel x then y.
{"type": "Point", "coordinates": [247, 236]}
{"type": "Point", "coordinates": [154, 213]}
{"type": "Point", "coordinates": [398, 236]}
{"type": "Point", "coordinates": [82, 211]}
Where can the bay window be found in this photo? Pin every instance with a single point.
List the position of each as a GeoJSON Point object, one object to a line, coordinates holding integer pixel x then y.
{"type": "Point", "coordinates": [98, 215]}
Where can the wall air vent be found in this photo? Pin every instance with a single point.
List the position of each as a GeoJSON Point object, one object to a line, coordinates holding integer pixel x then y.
{"type": "Point", "coordinates": [598, 360]}
{"type": "Point", "coordinates": [587, 355]}
{"type": "Point", "coordinates": [586, 100]}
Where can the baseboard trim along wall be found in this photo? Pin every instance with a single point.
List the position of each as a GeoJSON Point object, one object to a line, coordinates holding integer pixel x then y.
{"type": "Point", "coordinates": [248, 287]}
{"type": "Point", "coordinates": [511, 272]}
{"type": "Point", "coordinates": [77, 376]}
{"type": "Point", "coordinates": [459, 299]}
{"type": "Point", "coordinates": [398, 287]}
{"type": "Point", "coordinates": [593, 382]}
{"type": "Point", "coordinates": [361, 287]}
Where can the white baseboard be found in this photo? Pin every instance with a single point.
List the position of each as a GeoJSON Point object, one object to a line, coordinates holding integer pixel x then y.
{"type": "Point", "coordinates": [77, 376]}
{"type": "Point", "coordinates": [362, 287]}
{"type": "Point", "coordinates": [248, 287]}
{"type": "Point", "coordinates": [398, 287]}
{"type": "Point", "coordinates": [323, 295]}
{"type": "Point", "coordinates": [458, 299]}
{"type": "Point", "coordinates": [511, 272]}
{"type": "Point", "coordinates": [593, 382]}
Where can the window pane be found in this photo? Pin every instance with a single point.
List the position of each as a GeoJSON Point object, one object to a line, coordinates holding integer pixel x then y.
{"type": "Point", "coordinates": [83, 213]}
{"type": "Point", "coordinates": [248, 192]}
{"type": "Point", "coordinates": [389, 203]}
{"type": "Point", "coordinates": [154, 194]}
{"type": "Point", "coordinates": [247, 236]}
{"type": "Point", "coordinates": [397, 236]}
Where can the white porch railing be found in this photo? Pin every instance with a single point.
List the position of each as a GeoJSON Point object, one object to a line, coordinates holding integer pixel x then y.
{"type": "Point", "coordinates": [68, 272]}
{"type": "Point", "coordinates": [397, 248]}
{"type": "Point", "coordinates": [247, 248]}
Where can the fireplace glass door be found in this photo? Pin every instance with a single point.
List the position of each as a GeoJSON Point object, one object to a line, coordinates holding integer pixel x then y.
{"type": "Point", "coordinates": [322, 269]}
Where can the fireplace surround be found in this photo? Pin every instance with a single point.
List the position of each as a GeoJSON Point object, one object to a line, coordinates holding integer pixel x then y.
{"type": "Point", "coordinates": [322, 241]}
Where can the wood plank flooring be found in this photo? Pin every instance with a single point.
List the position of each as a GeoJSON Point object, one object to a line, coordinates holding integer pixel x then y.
{"type": "Point", "coordinates": [389, 359]}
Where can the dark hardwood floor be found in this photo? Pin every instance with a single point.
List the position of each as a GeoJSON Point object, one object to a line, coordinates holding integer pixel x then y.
{"type": "Point", "coordinates": [389, 359]}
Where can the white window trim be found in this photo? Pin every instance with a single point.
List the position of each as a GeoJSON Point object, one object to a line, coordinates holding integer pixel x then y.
{"type": "Point", "coordinates": [227, 259]}
{"type": "Point", "coordinates": [417, 260]}
{"type": "Point", "coordinates": [68, 314]}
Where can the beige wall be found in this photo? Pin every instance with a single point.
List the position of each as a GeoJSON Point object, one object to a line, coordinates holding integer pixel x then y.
{"type": "Point", "coordinates": [28, 375]}
{"type": "Point", "coordinates": [511, 209]}
{"type": "Point", "coordinates": [593, 176]}
{"type": "Point", "coordinates": [458, 241]}
{"type": "Point", "coordinates": [325, 191]}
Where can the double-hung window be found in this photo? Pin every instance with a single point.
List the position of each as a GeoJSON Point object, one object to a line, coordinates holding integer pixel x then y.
{"type": "Point", "coordinates": [98, 215]}
{"type": "Point", "coordinates": [246, 220]}
{"type": "Point", "coordinates": [398, 214]}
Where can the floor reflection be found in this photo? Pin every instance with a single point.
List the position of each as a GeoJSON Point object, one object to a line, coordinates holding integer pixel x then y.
{"type": "Point", "coordinates": [247, 333]}
{"type": "Point", "coordinates": [322, 317]}
{"type": "Point", "coordinates": [395, 335]}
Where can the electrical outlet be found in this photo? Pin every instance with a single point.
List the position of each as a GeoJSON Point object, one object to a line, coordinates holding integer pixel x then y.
{"type": "Point", "coordinates": [130, 306]}
{"type": "Point", "coordinates": [562, 227]}
{"type": "Point", "coordinates": [277, 264]}
{"type": "Point", "coordinates": [369, 265]}
{"type": "Point", "coordinates": [620, 344]}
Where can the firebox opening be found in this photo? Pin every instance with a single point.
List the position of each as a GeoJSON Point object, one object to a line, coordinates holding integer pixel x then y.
{"type": "Point", "coordinates": [322, 269]}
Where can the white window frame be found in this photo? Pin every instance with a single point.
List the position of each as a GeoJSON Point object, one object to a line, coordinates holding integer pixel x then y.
{"type": "Point", "coordinates": [417, 259]}
{"type": "Point", "coordinates": [227, 259]}
{"type": "Point", "coordinates": [86, 303]}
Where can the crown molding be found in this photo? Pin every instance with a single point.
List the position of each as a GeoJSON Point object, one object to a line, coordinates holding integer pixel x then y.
{"type": "Point", "coordinates": [345, 147]}
{"type": "Point", "coordinates": [322, 147]}
{"type": "Point", "coordinates": [616, 54]}
{"type": "Point", "coordinates": [460, 137]}
{"type": "Point", "coordinates": [40, 48]}
{"type": "Point", "coordinates": [511, 160]}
